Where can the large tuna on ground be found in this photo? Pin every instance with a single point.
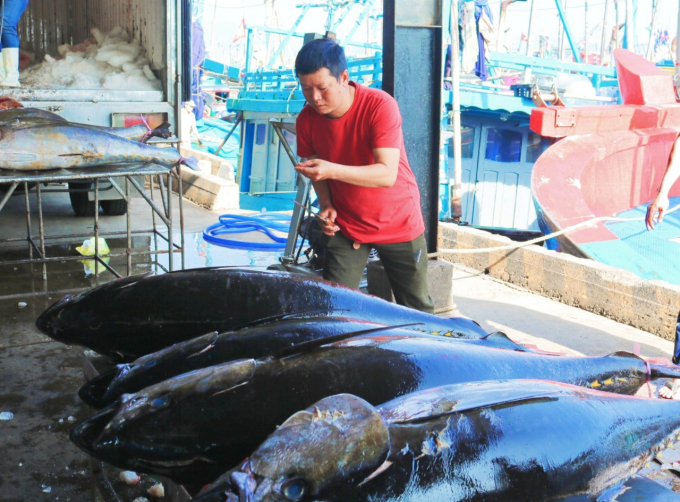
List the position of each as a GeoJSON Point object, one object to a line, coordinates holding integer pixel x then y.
{"type": "Point", "coordinates": [521, 440]}
{"type": "Point", "coordinates": [195, 426]}
{"type": "Point", "coordinates": [137, 315]}
{"type": "Point", "coordinates": [253, 343]}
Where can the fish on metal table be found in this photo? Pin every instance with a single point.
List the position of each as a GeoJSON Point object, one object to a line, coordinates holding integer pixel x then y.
{"type": "Point", "coordinates": [37, 116]}
{"type": "Point", "coordinates": [255, 342]}
{"type": "Point", "coordinates": [195, 426]}
{"type": "Point", "coordinates": [134, 316]}
{"type": "Point", "coordinates": [515, 440]}
{"type": "Point", "coordinates": [39, 144]}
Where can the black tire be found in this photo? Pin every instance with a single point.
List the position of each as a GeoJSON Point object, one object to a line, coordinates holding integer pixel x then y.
{"type": "Point", "coordinates": [80, 202]}
{"type": "Point", "coordinates": [115, 207]}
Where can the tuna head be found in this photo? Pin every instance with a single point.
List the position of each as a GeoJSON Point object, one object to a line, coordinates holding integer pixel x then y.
{"type": "Point", "coordinates": [338, 441]}
{"type": "Point", "coordinates": [75, 319]}
{"type": "Point", "coordinates": [123, 433]}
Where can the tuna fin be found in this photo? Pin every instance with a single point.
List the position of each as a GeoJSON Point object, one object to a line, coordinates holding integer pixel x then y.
{"type": "Point", "coordinates": [449, 399]}
{"type": "Point", "coordinates": [18, 157]}
{"type": "Point", "coordinates": [284, 317]}
{"type": "Point", "coordinates": [312, 344]}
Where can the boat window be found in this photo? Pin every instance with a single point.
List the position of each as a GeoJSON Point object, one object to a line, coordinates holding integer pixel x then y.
{"type": "Point", "coordinates": [503, 145]}
{"type": "Point", "coordinates": [467, 143]}
{"type": "Point", "coordinates": [536, 145]}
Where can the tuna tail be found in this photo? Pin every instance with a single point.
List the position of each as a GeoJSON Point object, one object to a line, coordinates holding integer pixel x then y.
{"type": "Point", "coordinates": [190, 162]}
{"type": "Point", "coordinates": [162, 131]}
{"type": "Point", "coordinates": [661, 370]}
{"type": "Point", "coordinates": [312, 344]}
{"type": "Point", "coordinates": [94, 390]}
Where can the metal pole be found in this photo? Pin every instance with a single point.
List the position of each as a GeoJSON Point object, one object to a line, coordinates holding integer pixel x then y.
{"type": "Point", "coordinates": [457, 191]}
{"type": "Point", "coordinates": [677, 45]}
{"type": "Point", "coordinates": [604, 32]}
{"type": "Point", "coordinates": [531, 26]}
{"type": "Point", "coordinates": [563, 33]}
{"type": "Point", "coordinates": [616, 25]}
{"type": "Point", "coordinates": [628, 35]}
{"type": "Point", "coordinates": [650, 44]}
{"type": "Point", "coordinates": [585, 35]}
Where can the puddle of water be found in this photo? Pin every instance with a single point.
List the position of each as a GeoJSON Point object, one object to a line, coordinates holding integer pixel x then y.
{"type": "Point", "coordinates": [26, 278]}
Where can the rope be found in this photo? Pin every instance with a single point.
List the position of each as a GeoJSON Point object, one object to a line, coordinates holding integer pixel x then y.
{"type": "Point", "coordinates": [549, 236]}
{"type": "Point", "coordinates": [149, 131]}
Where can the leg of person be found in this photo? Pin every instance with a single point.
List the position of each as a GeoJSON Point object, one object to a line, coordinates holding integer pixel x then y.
{"type": "Point", "coordinates": [12, 11]}
{"type": "Point", "coordinates": [669, 390]}
{"type": "Point", "coordinates": [341, 262]}
{"type": "Point", "coordinates": [406, 267]}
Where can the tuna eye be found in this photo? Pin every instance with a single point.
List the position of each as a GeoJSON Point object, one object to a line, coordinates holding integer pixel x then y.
{"type": "Point", "coordinates": [295, 489]}
{"type": "Point", "coordinates": [161, 402]}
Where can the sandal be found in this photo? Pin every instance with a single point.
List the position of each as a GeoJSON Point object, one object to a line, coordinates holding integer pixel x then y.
{"type": "Point", "coordinates": [674, 386]}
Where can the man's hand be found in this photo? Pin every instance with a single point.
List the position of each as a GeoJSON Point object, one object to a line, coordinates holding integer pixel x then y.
{"type": "Point", "coordinates": [658, 205]}
{"type": "Point", "coordinates": [315, 169]}
{"type": "Point", "coordinates": [329, 228]}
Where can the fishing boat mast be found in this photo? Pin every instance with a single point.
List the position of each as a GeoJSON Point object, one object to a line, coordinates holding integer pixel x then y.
{"type": "Point", "coordinates": [457, 192]}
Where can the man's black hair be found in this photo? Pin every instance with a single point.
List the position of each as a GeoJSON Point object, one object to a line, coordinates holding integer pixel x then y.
{"type": "Point", "coordinates": [321, 53]}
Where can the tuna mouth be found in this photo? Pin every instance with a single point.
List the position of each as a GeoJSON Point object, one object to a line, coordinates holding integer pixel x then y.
{"type": "Point", "coordinates": [48, 322]}
{"type": "Point", "coordinates": [236, 485]}
{"type": "Point", "coordinates": [94, 391]}
{"type": "Point", "coordinates": [86, 433]}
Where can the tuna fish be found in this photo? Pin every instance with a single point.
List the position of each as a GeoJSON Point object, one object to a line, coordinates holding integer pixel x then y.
{"type": "Point", "coordinates": [39, 116]}
{"type": "Point", "coordinates": [195, 426]}
{"type": "Point", "coordinates": [38, 144]}
{"type": "Point", "coordinates": [214, 348]}
{"type": "Point", "coordinates": [134, 316]}
{"type": "Point", "coordinates": [517, 440]}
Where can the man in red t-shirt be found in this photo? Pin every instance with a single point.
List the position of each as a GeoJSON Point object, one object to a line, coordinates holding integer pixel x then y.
{"type": "Point", "coordinates": [351, 138]}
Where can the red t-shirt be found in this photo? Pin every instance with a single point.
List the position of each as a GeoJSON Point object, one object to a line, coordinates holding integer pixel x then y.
{"type": "Point", "coordinates": [365, 215]}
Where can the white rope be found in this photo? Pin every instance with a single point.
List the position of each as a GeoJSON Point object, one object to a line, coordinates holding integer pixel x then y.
{"type": "Point", "coordinates": [549, 236]}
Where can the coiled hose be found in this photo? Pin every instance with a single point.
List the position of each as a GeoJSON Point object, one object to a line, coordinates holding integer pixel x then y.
{"type": "Point", "coordinates": [267, 223]}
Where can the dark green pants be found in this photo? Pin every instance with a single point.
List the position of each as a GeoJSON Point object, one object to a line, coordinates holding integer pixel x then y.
{"type": "Point", "coordinates": [405, 264]}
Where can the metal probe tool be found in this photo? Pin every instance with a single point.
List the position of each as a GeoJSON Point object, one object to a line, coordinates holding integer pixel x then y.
{"type": "Point", "coordinates": [316, 215]}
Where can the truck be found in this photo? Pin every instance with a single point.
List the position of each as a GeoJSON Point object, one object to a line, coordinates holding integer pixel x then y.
{"type": "Point", "coordinates": [161, 27]}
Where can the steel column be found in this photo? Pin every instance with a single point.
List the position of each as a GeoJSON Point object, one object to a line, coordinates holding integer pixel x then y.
{"type": "Point", "coordinates": [412, 73]}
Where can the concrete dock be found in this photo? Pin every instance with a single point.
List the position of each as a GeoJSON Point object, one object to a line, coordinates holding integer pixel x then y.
{"type": "Point", "coordinates": [40, 377]}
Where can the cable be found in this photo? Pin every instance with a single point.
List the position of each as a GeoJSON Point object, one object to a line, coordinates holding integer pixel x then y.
{"type": "Point", "coordinates": [549, 236]}
{"type": "Point", "coordinates": [267, 223]}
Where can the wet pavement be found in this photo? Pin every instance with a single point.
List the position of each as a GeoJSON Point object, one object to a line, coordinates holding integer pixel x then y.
{"type": "Point", "coordinates": [40, 378]}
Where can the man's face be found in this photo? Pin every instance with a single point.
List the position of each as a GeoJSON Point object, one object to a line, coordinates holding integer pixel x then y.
{"type": "Point", "coordinates": [326, 94]}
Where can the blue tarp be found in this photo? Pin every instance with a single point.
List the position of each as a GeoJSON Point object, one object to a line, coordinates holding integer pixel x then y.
{"type": "Point", "coordinates": [213, 132]}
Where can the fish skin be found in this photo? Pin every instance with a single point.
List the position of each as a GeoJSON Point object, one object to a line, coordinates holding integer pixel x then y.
{"type": "Point", "coordinates": [134, 316]}
{"type": "Point", "coordinates": [219, 414]}
{"type": "Point", "coordinates": [525, 440]}
{"type": "Point", "coordinates": [62, 145]}
{"type": "Point", "coordinates": [255, 342]}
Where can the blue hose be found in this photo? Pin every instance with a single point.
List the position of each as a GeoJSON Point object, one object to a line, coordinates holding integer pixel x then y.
{"type": "Point", "coordinates": [237, 224]}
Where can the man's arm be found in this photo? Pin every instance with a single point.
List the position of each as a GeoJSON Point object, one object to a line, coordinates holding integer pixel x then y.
{"type": "Point", "coordinates": [660, 203]}
{"type": "Point", "coordinates": [382, 174]}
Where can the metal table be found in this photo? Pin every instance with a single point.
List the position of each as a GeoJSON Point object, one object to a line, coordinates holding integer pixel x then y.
{"type": "Point", "coordinates": [159, 174]}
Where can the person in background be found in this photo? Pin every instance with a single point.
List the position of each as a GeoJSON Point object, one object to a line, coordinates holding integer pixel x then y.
{"type": "Point", "coordinates": [353, 143]}
{"type": "Point", "coordinates": [655, 214]}
{"type": "Point", "coordinates": [9, 41]}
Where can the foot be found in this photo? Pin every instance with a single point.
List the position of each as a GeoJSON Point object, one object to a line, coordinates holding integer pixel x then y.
{"type": "Point", "coordinates": [670, 390]}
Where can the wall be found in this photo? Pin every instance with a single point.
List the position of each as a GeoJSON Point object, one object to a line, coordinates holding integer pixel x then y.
{"type": "Point", "coordinates": [611, 292]}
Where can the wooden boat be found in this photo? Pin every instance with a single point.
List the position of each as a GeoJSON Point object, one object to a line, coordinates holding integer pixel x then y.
{"type": "Point", "coordinates": [610, 162]}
